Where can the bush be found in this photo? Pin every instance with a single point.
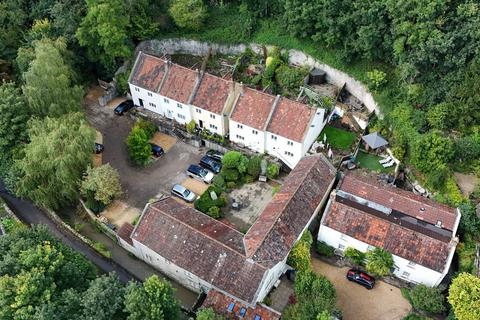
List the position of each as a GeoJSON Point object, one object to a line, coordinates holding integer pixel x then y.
{"type": "Point", "coordinates": [466, 251]}
{"type": "Point", "coordinates": [273, 170]}
{"type": "Point", "coordinates": [231, 185]}
{"type": "Point", "coordinates": [231, 159]}
{"type": "Point", "coordinates": [254, 167]}
{"type": "Point", "coordinates": [414, 316]}
{"type": "Point", "coordinates": [188, 14]}
{"type": "Point", "coordinates": [272, 64]}
{"type": "Point", "coordinates": [299, 257]}
{"type": "Point", "coordinates": [470, 222]}
{"type": "Point", "coordinates": [122, 82]}
{"type": "Point", "coordinates": [324, 249]}
{"type": "Point", "coordinates": [376, 79]}
{"type": "Point", "coordinates": [219, 181]}
{"type": "Point", "coordinates": [191, 126]}
{"type": "Point", "coordinates": [427, 299]}
{"type": "Point", "coordinates": [438, 177]}
{"type": "Point", "coordinates": [215, 212]}
{"type": "Point", "coordinates": [249, 179]}
{"type": "Point", "coordinates": [230, 174]}
{"type": "Point", "coordinates": [205, 202]}
{"type": "Point", "coordinates": [149, 127]}
{"type": "Point", "coordinates": [290, 78]}
{"type": "Point", "coordinates": [379, 261]}
{"type": "Point", "coordinates": [356, 256]}
{"type": "Point", "coordinates": [139, 150]}
{"type": "Point", "coordinates": [102, 182]}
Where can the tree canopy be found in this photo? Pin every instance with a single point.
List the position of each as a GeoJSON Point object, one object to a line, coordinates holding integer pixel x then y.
{"type": "Point", "coordinates": [103, 183]}
{"type": "Point", "coordinates": [464, 296]}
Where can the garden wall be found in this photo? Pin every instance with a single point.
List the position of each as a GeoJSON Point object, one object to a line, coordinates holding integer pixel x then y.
{"type": "Point", "coordinates": [200, 48]}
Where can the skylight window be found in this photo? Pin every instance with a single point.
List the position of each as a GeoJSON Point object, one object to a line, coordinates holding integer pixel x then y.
{"type": "Point", "coordinates": [230, 307]}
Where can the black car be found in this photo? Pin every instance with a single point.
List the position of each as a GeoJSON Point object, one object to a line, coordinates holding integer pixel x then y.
{"type": "Point", "coordinates": [123, 107]}
{"type": "Point", "coordinates": [157, 151]}
{"type": "Point", "coordinates": [210, 164]}
{"type": "Point", "coordinates": [361, 278]}
{"type": "Point", "coordinates": [215, 155]}
{"type": "Point", "coordinates": [99, 148]}
{"type": "Point", "coordinates": [199, 173]}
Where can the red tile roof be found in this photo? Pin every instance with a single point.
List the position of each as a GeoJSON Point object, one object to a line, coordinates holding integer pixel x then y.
{"type": "Point", "coordinates": [291, 119]}
{"type": "Point", "coordinates": [212, 93]}
{"type": "Point", "coordinates": [253, 108]}
{"type": "Point", "coordinates": [179, 83]}
{"type": "Point", "coordinates": [148, 72]}
{"type": "Point", "coordinates": [125, 231]}
{"type": "Point", "coordinates": [219, 302]}
{"type": "Point", "coordinates": [396, 239]}
{"type": "Point", "coordinates": [207, 249]}
{"type": "Point", "coordinates": [274, 233]}
{"type": "Point", "coordinates": [398, 199]}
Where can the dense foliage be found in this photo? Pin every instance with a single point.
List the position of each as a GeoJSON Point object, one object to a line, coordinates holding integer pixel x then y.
{"type": "Point", "coordinates": [139, 149]}
{"type": "Point", "coordinates": [464, 296]}
{"type": "Point", "coordinates": [299, 257]}
{"type": "Point", "coordinates": [101, 184]}
{"type": "Point", "coordinates": [379, 261]}
{"type": "Point", "coordinates": [207, 205]}
{"type": "Point", "coordinates": [188, 14]}
{"type": "Point", "coordinates": [427, 299]}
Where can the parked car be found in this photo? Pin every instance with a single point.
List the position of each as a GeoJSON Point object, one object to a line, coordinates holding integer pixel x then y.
{"type": "Point", "coordinates": [157, 151]}
{"type": "Point", "coordinates": [183, 193]}
{"type": "Point", "coordinates": [215, 155]}
{"type": "Point", "coordinates": [361, 278]}
{"type": "Point", "coordinates": [123, 107]}
{"type": "Point", "coordinates": [210, 164]}
{"type": "Point", "coordinates": [199, 173]}
{"type": "Point", "coordinates": [99, 148]}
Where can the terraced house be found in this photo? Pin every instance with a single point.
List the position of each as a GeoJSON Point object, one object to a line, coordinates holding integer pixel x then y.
{"type": "Point", "coordinates": [209, 256]}
{"type": "Point", "coordinates": [419, 233]}
{"type": "Point", "coordinates": [259, 121]}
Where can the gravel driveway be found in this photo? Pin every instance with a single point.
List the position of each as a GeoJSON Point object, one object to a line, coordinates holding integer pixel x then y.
{"type": "Point", "coordinates": [383, 302]}
{"type": "Point", "coordinates": [139, 184]}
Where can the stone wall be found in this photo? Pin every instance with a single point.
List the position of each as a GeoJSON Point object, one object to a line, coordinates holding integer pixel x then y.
{"type": "Point", "coordinates": [200, 48]}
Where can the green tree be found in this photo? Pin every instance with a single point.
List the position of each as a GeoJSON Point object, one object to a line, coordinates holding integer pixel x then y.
{"type": "Point", "coordinates": [59, 151]}
{"type": "Point", "coordinates": [231, 159]}
{"type": "Point", "coordinates": [104, 32]}
{"type": "Point", "coordinates": [379, 261]}
{"type": "Point", "coordinates": [139, 149]}
{"type": "Point", "coordinates": [14, 114]}
{"type": "Point", "coordinates": [104, 299]}
{"type": "Point", "coordinates": [273, 170]}
{"type": "Point", "coordinates": [208, 314]}
{"type": "Point", "coordinates": [66, 17]}
{"type": "Point", "coordinates": [103, 183]}
{"type": "Point", "coordinates": [48, 82]}
{"type": "Point", "coordinates": [355, 256]}
{"type": "Point", "coordinates": [254, 166]}
{"type": "Point", "coordinates": [432, 151]}
{"type": "Point", "coordinates": [143, 17]}
{"type": "Point", "coordinates": [299, 257]}
{"type": "Point", "coordinates": [427, 299]}
{"type": "Point", "coordinates": [440, 116]}
{"type": "Point", "coordinates": [153, 300]}
{"type": "Point", "coordinates": [188, 14]}
{"type": "Point", "coordinates": [464, 296]}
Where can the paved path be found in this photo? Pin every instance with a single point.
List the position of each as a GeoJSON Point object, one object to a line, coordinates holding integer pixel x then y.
{"type": "Point", "coordinates": [30, 214]}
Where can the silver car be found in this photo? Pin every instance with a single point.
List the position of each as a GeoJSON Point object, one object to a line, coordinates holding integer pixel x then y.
{"type": "Point", "coordinates": [183, 193]}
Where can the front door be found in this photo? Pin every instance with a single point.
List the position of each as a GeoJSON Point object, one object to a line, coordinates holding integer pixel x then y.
{"type": "Point", "coordinates": [200, 124]}
{"type": "Point", "coordinates": [169, 114]}
{"type": "Point", "coordinates": [141, 102]}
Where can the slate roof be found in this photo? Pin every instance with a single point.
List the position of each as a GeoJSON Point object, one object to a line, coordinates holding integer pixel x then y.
{"type": "Point", "coordinates": [148, 72]}
{"type": "Point", "coordinates": [206, 253]}
{"type": "Point", "coordinates": [253, 108]}
{"type": "Point", "coordinates": [179, 84]}
{"type": "Point", "coordinates": [400, 241]}
{"type": "Point", "coordinates": [404, 201]}
{"type": "Point", "coordinates": [291, 119]}
{"type": "Point", "coordinates": [274, 233]}
{"type": "Point", "coordinates": [222, 256]}
{"type": "Point", "coordinates": [375, 140]}
{"type": "Point", "coordinates": [220, 302]}
{"type": "Point", "coordinates": [212, 94]}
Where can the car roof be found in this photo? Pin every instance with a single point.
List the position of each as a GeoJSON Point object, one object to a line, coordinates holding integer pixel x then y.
{"type": "Point", "coordinates": [194, 167]}
{"type": "Point", "coordinates": [179, 188]}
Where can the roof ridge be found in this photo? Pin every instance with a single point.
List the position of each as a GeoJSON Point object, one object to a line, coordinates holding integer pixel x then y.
{"type": "Point", "coordinates": [198, 231]}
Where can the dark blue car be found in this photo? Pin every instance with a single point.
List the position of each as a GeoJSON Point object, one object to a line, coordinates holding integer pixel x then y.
{"type": "Point", "coordinates": [123, 107]}
{"type": "Point", "coordinates": [210, 164]}
{"type": "Point", "coordinates": [157, 151]}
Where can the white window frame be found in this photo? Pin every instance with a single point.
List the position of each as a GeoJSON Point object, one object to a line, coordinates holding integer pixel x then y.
{"type": "Point", "coordinates": [198, 110]}
{"type": "Point", "coordinates": [179, 106]}
{"type": "Point", "coordinates": [239, 126]}
{"type": "Point", "coordinates": [149, 94]}
{"type": "Point", "coordinates": [212, 116]}
{"type": "Point", "coordinates": [273, 137]}
{"type": "Point", "coordinates": [166, 100]}
{"type": "Point", "coordinates": [290, 143]}
{"type": "Point", "coordinates": [181, 116]}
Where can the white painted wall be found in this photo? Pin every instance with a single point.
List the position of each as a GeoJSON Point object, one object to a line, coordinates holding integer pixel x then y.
{"type": "Point", "coordinates": [404, 269]}
{"type": "Point", "coordinates": [255, 142]}
{"type": "Point", "coordinates": [313, 132]}
{"type": "Point", "coordinates": [279, 146]}
{"type": "Point", "coordinates": [209, 119]}
{"type": "Point", "coordinates": [151, 100]}
{"type": "Point", "coordinates": [271, 277]}
{"type": "Point", "coordinates": [175, 110]}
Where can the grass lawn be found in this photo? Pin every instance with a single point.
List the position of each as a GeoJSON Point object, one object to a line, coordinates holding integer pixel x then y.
{"type": "Point", "coordinates": [338, 138]}
{"type": "Point", "coordinates": [370, 161]}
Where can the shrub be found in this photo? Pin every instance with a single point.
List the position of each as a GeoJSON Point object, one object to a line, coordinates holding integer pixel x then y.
{"type": "Point", "coordinates": [139, 149]}
{"type": "Point", "coordinates": [219, 181]}
{"type": "Point", "coordinates": [271, 65]}
{"type": "Point", "coordinates": [273, 170]}
{"type": "Point", "coordinates": [215, 212]}
{"type": "Point", "coordinates": [188, 14]}
{"type": "Point", "coordinates": [205, 202]}
{"type": "Point", "coordinates": [463, 295]}
{"type": "Point", "coordinates": [231, 185]}
{"type": "Point", "coordinates": [231, 159]}
{"type": "Point", "coordinates": [470, 222]}
{"type": "Point", "coordinates": [414, 316]}
{"type": "Point", "coordinates": [324, 249]}
{"type": "Point", "coordinates": [376, 79]}
{"type": "Point", "coordinates": [356, 256]}
{"type": "Point", "coordinates": [230, 174]}
{"type": "Point", "coordinates": [103, 182]}
{"type": "Point", "coordinates": [437, 178]}
{"type": "Point", "coordinates": [427, 299]}
{"type": "Point", "coordinates": [249, 179]}
{"type": "Point", "coordinates": [299, 257]}
{"type": "Point", "coordinates": [379, 261]}
{"type": "Point", "coordinates": [149, 127]}
{"type": "Point", "coordinates": [466, 251]}
{"type": "Point", "coordinates": [289, 77]}
{"type": "Point", "coordinates": [254, 166]}
{"type": "Point", "coordinates": [191, 126]}
{"type": "Point", "coordinates": [122, 82]}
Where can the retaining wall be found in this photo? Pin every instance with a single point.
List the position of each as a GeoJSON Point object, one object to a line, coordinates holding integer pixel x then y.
{"type": "Point", "coordinates": [200, 48]}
